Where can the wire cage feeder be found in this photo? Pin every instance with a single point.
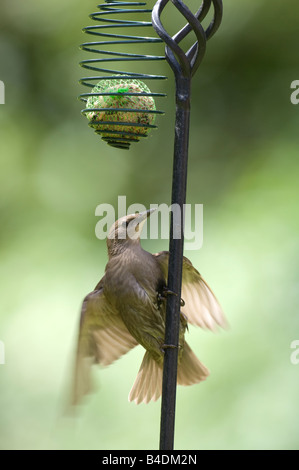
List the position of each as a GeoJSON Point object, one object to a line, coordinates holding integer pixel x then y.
{"type": "Point", "coordinates": [120, 107]}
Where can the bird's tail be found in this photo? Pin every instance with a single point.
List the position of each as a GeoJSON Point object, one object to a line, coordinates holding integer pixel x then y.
{"type": "Point", "coordinates": [190, 369]}
{"type": "Point", "coordinates": [148, 383]}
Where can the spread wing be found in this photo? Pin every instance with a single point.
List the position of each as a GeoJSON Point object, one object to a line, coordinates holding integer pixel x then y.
{"type": "Point", "coordinates": [103, 338]}
{"type": "Point", "coordinates": [201, 306]}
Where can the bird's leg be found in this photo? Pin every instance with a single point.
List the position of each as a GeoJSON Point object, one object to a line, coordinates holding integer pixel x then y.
{"type": "Point", "coordinates": [163, 346]}
{"type": "Point", "coordinates": [170, 346]}
{"type": "Point", "coordinates": [165, 292]}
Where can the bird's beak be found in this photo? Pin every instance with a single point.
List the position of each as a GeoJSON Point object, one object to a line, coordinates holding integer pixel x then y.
{"type": "Point", "coordinates": [139, 221]}
{"type": "Point", "coordinates": [142, 216]}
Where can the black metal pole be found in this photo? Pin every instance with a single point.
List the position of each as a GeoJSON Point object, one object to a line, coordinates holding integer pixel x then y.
{"type": "Point", "coordinates": [184, 66]}
{"type": "Point", "coordinates": [176, 248]}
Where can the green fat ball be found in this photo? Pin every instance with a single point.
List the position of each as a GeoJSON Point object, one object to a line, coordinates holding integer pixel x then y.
{"type": "Point", "coordinates": [134, 123]}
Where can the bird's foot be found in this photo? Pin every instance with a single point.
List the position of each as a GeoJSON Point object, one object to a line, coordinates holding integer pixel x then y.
{"type": "Point", "coordinates": [165, 292]}
{"type": "Point", "coordinates": [169, 346]}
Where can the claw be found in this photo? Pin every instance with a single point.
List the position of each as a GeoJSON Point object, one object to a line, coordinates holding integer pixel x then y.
{"type": "Point", "coordinates": [165, 293]}
{"type": "Point", "coordinates": [169, 346]}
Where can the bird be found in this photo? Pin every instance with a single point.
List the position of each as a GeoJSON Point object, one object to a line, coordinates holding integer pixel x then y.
{"type": "Point", "coordinates": [128, 308]}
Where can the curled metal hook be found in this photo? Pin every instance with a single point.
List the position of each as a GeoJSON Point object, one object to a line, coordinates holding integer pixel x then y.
{"type": "Point", "coordinates": [181, 62]}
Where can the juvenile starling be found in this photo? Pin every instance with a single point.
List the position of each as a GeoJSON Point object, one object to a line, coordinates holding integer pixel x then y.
{"type": "Point", "coordinates": [128, 307]}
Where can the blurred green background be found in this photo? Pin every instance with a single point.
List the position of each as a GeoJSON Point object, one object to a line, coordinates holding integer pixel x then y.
{"type": "Point", "coordinates": [243, 168]}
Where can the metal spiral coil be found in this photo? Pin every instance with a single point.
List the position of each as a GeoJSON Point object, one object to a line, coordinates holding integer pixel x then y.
{"type": "Point", "coordinates": [122, 132]}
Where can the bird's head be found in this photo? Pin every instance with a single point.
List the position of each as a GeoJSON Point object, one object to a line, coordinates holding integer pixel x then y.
{"type": "Point", "coordinates": [126, 231]}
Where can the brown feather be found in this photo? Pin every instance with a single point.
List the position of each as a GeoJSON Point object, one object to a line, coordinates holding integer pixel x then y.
{"type": "Point", "coordinates": [201, 305]}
